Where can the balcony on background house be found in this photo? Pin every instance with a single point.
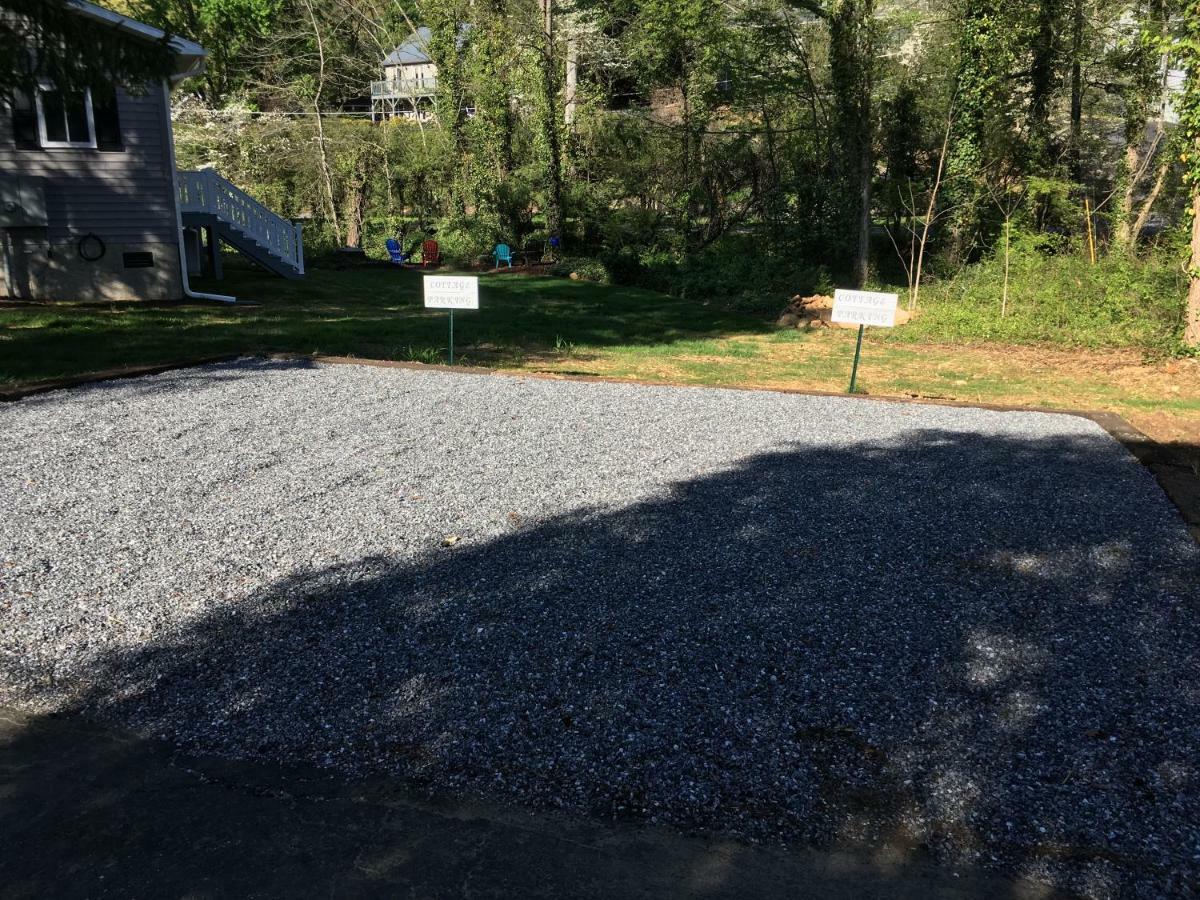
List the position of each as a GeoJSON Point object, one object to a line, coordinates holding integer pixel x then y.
{"type": "Point", "coordinates": [404, 88]}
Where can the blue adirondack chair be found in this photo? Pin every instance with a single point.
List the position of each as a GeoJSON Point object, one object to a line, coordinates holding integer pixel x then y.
{"type": "Point", "coordinates": [502, 254]}
{"type": "Point", "coordinates": [394, 251]}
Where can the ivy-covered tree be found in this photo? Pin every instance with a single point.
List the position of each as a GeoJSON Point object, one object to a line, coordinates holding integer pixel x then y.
{"type": "Point", "coordinates": [984, 135]}
{"type": "Point", "coordinates": [1188, 48]}
{"type": "Point", "coordinates": [852, 67]}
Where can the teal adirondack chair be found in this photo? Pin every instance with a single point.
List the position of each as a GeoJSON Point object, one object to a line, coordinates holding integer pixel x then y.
{"type": "Point", "coordinates": [502, 254]}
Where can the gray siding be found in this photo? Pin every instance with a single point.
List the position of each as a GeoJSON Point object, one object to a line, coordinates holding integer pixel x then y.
{"type": "Point", "coordinates": [124, 197]}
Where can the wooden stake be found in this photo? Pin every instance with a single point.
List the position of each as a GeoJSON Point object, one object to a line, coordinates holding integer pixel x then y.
{"type": "Point", "coordinates": [1007, 256]}
{"type": "Point", "coordinates": [1087, 209]}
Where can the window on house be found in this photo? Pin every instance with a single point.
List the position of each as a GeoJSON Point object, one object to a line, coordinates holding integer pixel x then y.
{"type": "Point", "coordinates": [65, 120]}
{"type": "Point", "coordinates": [25, 122]}
{"type": "Point", "coordinates": [106, 120]}
{"type": "Point", "coordinates": [53, 119]}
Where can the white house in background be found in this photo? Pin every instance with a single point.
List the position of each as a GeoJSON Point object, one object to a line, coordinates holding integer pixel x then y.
{"type": "Point", "coordinates": [410, 80]}
{"type": "Point", "coordinates": [91, 204]}
{"type": "Point", "coordinates": [409, 85]}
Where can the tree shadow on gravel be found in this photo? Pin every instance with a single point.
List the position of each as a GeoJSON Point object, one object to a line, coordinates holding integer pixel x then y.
{"type": "Point", "coordinates": [1003, 672]}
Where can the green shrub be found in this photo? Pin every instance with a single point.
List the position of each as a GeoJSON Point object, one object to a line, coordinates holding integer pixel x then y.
{"type": "Point", "coordinates": [319, 239]}
{"type": "Point", "coordinates": [377, 230]}
{"type": "Point", "coordinates": [1060, 298]}
{"type": "Point", "coordinates": [738, 272]}
{"type": "Point", "coordinates": [586, 268]}
{"type": "Point", "coordinates": [624, 266]}
{"type": "Point", "coordinates": [464, 242]}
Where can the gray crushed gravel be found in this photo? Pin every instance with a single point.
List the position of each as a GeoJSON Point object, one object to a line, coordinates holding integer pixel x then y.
{"type": "Point", "coordinates": [793, 619]}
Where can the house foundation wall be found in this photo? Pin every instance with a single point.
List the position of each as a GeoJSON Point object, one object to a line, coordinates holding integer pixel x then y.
{"type": "Point", "coordinates": [33, 267]}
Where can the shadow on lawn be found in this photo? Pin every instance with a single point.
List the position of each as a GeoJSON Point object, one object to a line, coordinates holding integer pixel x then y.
{"type": "Point", "coordinates": [370, 313]}
{"type": "Point", "coordinates": [373, 315]}
{"type": "Point", "coordinates": [982, 648]}
{"type": "Point", "coordinates": [518, 312]}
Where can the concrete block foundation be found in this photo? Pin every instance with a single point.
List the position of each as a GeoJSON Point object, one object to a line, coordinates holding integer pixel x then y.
{"type": "Point", "coordinates": [32, 267]}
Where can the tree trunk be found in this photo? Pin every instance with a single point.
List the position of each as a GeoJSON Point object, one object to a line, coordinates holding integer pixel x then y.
{"type": "Point", "coordinates": [914, 297]}
{"type": "Point", "coordinates": [771, 194]}
{"type": "Point", "coordinates": [851, 33]}
{"type": "Point", "coordinates": [1042, 77]}
{"type": "Point", "coordinates": [1190, 121]}
{"type": "Point", "coordinates": [355, 211]}
{"type": "Point", "coordinates": [509, 126]}
{"type": "Point", "coordinates": [572, 83]}
{"type": "Point", "coordinates": [687, 159]}
{"type": "Point", "coordinates": [550, 126]}
{"type": "Point", "coordinates": [1191, 334]}
{"type": "Point", "coordinates": [866, 137]}
{"type": "Point", "coordinates": [326, 168]}
{"type": "Point", "coordinates": [1125, 235]}
{"type": "Point", "coordinates": [866, 162]}
{"type": "Point", "coordinates": [1007, 258]}
{"type": "Point", "coordinates": [448, 107]}
{"type": "Point", "coordinates": [1076, 145]}
{"type": "Point", "coordinates": [1160, 180]}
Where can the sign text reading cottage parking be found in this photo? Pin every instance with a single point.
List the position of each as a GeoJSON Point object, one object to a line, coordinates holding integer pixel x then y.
{"type": "Point", "coordinates": [862, 308]}
{"type": "Point", "coordinates": [452, 291]}
{"type": "Point", "coordinates": [865, 308]}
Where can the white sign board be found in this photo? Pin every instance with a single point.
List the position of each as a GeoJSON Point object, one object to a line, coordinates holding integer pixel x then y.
{"type": "Point", "coordinates": [865, 308]}
{"type": "Point", "coordinates": [452, 291]}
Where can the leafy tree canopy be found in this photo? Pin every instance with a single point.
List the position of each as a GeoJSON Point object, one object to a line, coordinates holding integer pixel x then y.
{"type": "Point", "coordinates": [44, 41]}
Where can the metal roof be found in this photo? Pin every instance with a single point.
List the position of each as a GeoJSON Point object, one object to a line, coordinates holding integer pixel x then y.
{"type": "Point", "coordinates": [416, 49]}
{"type": "Point", "coordinates": [411, 51]}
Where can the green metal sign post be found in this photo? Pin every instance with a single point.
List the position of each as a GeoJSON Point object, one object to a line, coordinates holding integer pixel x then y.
{"type": "Point", "coordinates": [863, 308]}
{"type": "Point", "coordinates": [853, 372]}
{"type": "Point", "coordinates": [451, 292]}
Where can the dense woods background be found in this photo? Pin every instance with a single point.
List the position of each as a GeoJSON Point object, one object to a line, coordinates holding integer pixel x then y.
{"type": "Point", "coordinates": [1027, 169]}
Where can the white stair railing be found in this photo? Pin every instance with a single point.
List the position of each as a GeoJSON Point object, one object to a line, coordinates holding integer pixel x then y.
{"type": "Point", "coordinates": [207, 192]}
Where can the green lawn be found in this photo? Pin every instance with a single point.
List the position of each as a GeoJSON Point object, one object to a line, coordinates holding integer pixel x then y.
{"type": "Point", "coordinates": [369, 312]}
{"type": "Point", "coordinates": [557, 326]}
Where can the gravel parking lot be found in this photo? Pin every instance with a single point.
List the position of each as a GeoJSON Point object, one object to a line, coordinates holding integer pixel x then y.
{"type": "Point", "coordinates": [793, 619]}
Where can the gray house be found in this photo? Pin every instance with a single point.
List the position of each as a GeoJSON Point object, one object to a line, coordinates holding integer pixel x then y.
{"type": "Point", "coordinates": [91, 204]}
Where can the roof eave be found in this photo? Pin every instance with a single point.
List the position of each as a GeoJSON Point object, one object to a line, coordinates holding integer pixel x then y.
{"type": "Point", "coordinates": [190, 57]}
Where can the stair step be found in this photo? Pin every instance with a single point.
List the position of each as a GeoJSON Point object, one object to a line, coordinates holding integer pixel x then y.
{"type": "Point", "coordinates": [261, 253]}
{"type": "Point", "coordinates": [270, 253]}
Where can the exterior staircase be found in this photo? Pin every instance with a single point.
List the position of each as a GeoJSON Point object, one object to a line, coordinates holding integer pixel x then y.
{"type": "Point", "coordinates": [206, 200]}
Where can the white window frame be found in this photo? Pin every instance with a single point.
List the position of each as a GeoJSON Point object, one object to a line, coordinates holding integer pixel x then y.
{"type": "Point", "coordinates": [89, 144]}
